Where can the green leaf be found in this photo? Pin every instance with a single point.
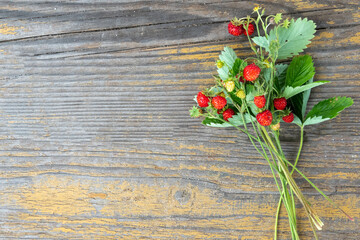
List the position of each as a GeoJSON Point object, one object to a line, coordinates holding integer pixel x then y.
{"type": "Point", "coordinates": [250, 94]}
{"type": "Point", "coordinates": [300, 70]}
{"type": "Point", "coordinates": [214, 122]}
{"type": "Point", "coordinates": [290, 91]}
{"type": "Point", "coordinates": [280, 76]}
{"type": "Point", "coordinates": [223, 72]}
{"type": "Point", "coordinates": [228, 56]}
{"type": "Point", "coordinates": [262, 42]}
{"type": "Point", "coordinates": [327, 109]}
{"type": "Point", "coordinates": [293, 39]}
{"type": "Point", "coordinates": [299, 102]}
{"type": "Point", "coordinates": [236, 67]}
{"type": "Point", "coordinates": [235, 99]}
{"type": "Point", "coordinates": [235, 120]}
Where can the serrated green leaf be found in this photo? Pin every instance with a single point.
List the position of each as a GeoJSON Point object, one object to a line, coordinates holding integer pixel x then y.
{"type": "Point", "coordinates": [250, 94]}
{"type": "Point", "coordinates": [235, 120]}
{"type": "Point", "coordinates": [290, 91]}
{"type": "Point", "coordinates": [300, 70]}
{"type": "Point", "coordinates": [223, 72]}
{"type": "Point", "coordinates": [294, 39]}
{"type": "Point", "coordinates": [236, 67]}
{"type": "Point", "coordinates": [299, 102]}
{"type": "Point", "coordinates": [280, 76]}
{"type": "Point", "coordinates": [235, 99]}
{"type": "Point", "coordinates": [327, 109]}
{"type": "Point", "coordinates": [228, 56]}
{"type": "Point", "coordinates": [262, 42]}
{"type": "Point", "coordinates": [213, 122]}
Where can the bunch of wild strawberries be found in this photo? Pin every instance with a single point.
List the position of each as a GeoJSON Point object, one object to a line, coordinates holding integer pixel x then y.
{"type": "Point", "coordinates": [249, 75]}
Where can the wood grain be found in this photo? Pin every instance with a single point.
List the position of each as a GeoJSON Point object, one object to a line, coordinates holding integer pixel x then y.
{"type": "Point", "coordinates": [96, 141]}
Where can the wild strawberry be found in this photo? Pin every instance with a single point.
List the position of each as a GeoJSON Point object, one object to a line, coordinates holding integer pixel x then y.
{"type": "Point", "coordinates": [264, 118]}
{"type": "Point", "coordinates": [230, 86]}
{"type": "Point", "coordinates": [218, 102]}
{"type": "Point", "coordinates": [288, 118]}
{"type": "Point", "coordinates": [250, 29]}
{"type": "Point", "coordinates": [275, 127]}
{"type": "Point", "coordinates": [241, 94]}
{"type": "Point", "coordinates": [228, 113]}
{"type": "Point", "coordinates": [241, 79]}
{"type": "Point", "coordinates": [251, 72]}
{"type": "Point", "coordinates": [202, 100]}
{"type": "Point", "coordinates": [235, 30]}
{"type": "Point", "coordinates": [260, 101]}
{"type": "Point", "coordinates": [280, 103]}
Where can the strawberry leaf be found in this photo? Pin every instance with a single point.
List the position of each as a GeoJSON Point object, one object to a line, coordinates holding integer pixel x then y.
{"type": "Point", "coordinates": [280, 76]}
{"type": "Point", "coordinates": [235, 120]}
{"type": "Point", "coordinates": [300, 70]}
{"type": "Point", "coordinates": [291, 41]}
{"type": "Point", "coordinates": [299, 102]}
{"type": "Point", "coordinates": [294, 39]}
{"type": "Point", "coordinates": [236, 67]}
{"type": "Point", "coordinates": [327, 109]}
{"type": "Point", "coordinates": [228, 56]}
{"type": "Point", "coordinates": [290, 91]}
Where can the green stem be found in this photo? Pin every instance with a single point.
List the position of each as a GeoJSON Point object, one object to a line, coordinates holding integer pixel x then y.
{"type": "Point", "coordinates": [321, 192]}
{"type": "Point", "coordinates": [300, 148]}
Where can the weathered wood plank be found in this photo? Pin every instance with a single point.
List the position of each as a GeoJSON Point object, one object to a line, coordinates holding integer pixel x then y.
{"type": "Point", "coordinates": [96, 142]}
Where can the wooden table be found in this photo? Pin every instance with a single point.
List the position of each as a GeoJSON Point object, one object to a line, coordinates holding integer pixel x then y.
{"type": "Point", "coordinates": [97, 143]}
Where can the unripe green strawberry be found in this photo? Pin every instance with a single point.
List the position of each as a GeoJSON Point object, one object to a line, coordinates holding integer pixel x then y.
{"type": "Point", "coordinates": [241, 94]}
{"type": "Point", "coordinates": [218, 102]}
{"type": "Point", "coordinates": [230, 86]}
{"type": "Point", "coordinates": [228, 113]}
{"type": "Point", "coordinates": [219, 63]}
{"type": "Point", "coordinates": [264, 118]}
{"type": "Point", "coordinates": [275, 127]}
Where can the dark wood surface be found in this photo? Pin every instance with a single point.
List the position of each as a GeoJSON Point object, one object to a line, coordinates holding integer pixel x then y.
{"type": "Point", "coordinates": [96, 141]}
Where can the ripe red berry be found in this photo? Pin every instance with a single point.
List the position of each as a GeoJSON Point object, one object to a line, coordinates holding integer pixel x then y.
{"type": "Point", "coordinates": [202, 100]}
{"type": "Point", "coordinates": [241, 79]}
{"type": "Point", "coordinates": [228, 113]}
{"type": "Point", "coordinates": [219, 102]}
{"type": "Point", "coordinates": [235, 30]}
{"type": "Point", "coordinates": [264, 118]}
{"type": "Point", "coordinates": [280, 103]}
{"type": "Point", "coordinates": [250, 30]}
{"type": "Point", "coordinates": [251, 72]}
{"type": "Point", "coordinates": [260, 101]}
{"type": "Point", "coordinates": [288, 118]}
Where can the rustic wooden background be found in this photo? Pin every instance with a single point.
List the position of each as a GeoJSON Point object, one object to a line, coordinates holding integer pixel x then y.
{"type": "Point", "coordinates": [96, 141]}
